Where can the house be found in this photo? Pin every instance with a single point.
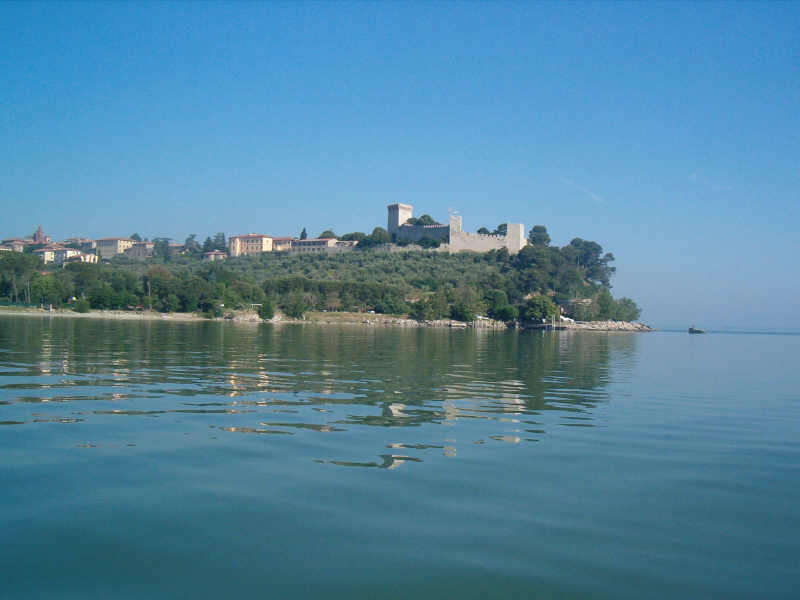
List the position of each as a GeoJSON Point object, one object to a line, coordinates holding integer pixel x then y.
{"type": "Point", "coordinates": [81, 257]}
{"type": "Point", "coordinates": [281, 244]}
{"type": "Point", "coordinates": [111, 246]}
{"type": "Point", "coordinates": [48, 253]}
{"type": "Point", "coordinates": [16, 244]}
{"type": "Point", "coordinates": [140, 250]}
{"type": "Point", "coordinates": [214, 255]}
{"type": "Point", "coordinates": [322, 245]}
{"type": "Point", "coordinates": [249, 244]}
{"type": "Point", "coordinates": [62, 254]}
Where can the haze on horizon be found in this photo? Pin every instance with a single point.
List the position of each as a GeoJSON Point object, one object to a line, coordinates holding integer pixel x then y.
{"type": "Point", "coordinates": [668, 133]}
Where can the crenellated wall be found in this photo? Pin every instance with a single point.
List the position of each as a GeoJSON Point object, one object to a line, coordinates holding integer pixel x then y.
{"type": "Point", "coordinates": [457, 239]}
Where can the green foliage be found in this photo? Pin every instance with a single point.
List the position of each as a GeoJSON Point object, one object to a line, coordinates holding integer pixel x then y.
{"type": "Point", "coordinates": [378, 236]}
{"type": "Point", "coordinates": [81, 305]}
{"type": "Point", "coordinates": [427, 285]}
{"type": "Point", "coordinates": [328, 233]}
{"type": "Point", "coordinates": [295, 305]}
{"type": "Point", "coordinates": [267, 309]}
{"type": "Point", "coordinates": [136, 237]}
{"type": "Point", "coordinates": [484, 231]}
{"type": "Point", "coordinates": [462, 312]}
{"type": "Point", "coordinates": [425, 220]}
{"type": "Point", "coordinates": [162, 250]}
{"type": "Point", "coordinates": [193, 246]}
{"type": "Point", "coordinates": [502, 229]}
{"type": "Point", "coordinates": [536, 308]}
{"type": "Point", "coordinates": [304, 234]}
{"type": "Point", "coordinates": [538, 236]}
{"type": "Point", "coordinates": [627, 310]}
{"type": "Point", "coordinates": [355, 235]}
{"type": "Point", "coordinates": [428, 242]}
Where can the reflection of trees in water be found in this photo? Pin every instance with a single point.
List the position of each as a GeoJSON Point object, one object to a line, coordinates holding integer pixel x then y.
{"type": "Point", "coordinates": [400, 377]}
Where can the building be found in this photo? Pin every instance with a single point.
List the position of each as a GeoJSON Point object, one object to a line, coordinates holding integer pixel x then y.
{"type": "Point", "coordinates": [400, 229]}
{"type": "Point", "coordinates": [16, 244]}
{"type": "Point", "coordinates": [62, 254]}
{"type": "Point", "coordinates": [281, 244]}
{"type": "Point", "coordinates": [214, 255]}
{"type": "Point", "coordinates": [81, 257]}
{"type": "Point", "coordinates": [47, 254]}
{"type": "Point", "coordinates": [249, 244]}
{"type": "Point", "coordinates": [452, 234]}
{"type": "Point", "coordinates": [140, 250]}
{"type": "Point", "coordinates": [83, 244]}
{"type": "Point", "coordinates": [109, 247]}
{"type": "Point", "coordinates": [322, 245]}
{"type": "Point", "coordinates": [39, 237]}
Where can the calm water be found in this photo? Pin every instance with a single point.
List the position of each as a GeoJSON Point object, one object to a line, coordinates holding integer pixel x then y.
{"type": "Point", "coordinates": [165, 460]}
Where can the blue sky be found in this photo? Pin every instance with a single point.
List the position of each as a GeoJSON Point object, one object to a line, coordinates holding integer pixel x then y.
{"type": "Point", "coordinates": [668, 133]}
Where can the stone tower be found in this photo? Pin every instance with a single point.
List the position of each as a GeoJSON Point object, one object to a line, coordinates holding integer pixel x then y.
{"type": "Point", "coordinates": [515, 237]}
{"type": "Point", "coordinates": [398, 214]}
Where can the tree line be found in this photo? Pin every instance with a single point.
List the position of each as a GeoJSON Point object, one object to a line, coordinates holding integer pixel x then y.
{"type": "Point", "coordinates": [537, 283]}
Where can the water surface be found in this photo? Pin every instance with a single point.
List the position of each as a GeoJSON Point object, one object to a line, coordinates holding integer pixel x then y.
{"type": "Point", "coordinates": [148, 460]}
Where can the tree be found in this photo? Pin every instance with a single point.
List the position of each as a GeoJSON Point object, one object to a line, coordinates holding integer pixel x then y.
{"type": "Point", "coordinates": [427, 220]}
{"type": "Point", "coordinates": [136, 237]}
{"type": "Point", "coordinates": [484, 231]}
{"type": "Point", "coordinates": [327, 234]}
{"type": "Point", "coordinates": [162, 250]}
{"type": "Point", "coordinates": [81, 306]}
{"type": "Point", "coordinates": [460, 311]}
{"type": "Point", "coordinates": [192, 245]}
{"type": "Point", "coordinates": [304, 234]}
{"type": "Point", "coordinates": [295, 305]}
{"type": "Point", "coordinates": [537, 308]}
{"type": "Point", "coordinates": [355, 235]}
{"type": "Point", "coordinates": [538, 236]}
{"type": "Point", "coordinates": [627, 310]}
{"type": "Point", "coordinates": [501, 230]}
{"type": "Point", "coordinates": [220, 243]}
{"type": "Point", "coordinates": [266, 311]}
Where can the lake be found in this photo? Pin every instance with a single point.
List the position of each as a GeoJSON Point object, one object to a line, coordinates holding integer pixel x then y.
{"type": "Point", "coordinates": [164, 460]}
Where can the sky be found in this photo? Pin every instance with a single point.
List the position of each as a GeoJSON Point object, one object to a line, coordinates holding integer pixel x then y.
{"type": "Point", "coordinates": [669, 133]}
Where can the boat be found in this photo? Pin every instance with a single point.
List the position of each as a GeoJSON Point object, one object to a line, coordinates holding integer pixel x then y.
{"type": "Point", "coordinates": [694, 329]}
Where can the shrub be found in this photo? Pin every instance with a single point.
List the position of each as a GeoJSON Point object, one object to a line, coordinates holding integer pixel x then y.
{"type": "Point", "coordinates": [81, 306]}
{"type": "Point", "coordinates": [266, 311]}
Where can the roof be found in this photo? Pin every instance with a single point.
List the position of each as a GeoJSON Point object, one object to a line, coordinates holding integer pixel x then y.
{"type": "Point", "coordinates": [213, 252]}
{"type": "Point", "coordinates": [282, 239]}
{"type": "Point", "coordinates": [247, 235]}
{"type": "Point", "coordinates": [115, 239]}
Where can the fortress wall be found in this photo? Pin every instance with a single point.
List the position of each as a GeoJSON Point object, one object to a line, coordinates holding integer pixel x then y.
{"type": "Point", "coordinates": [514, 240]}
{"type": "Point", "coordinates": [417, 232]}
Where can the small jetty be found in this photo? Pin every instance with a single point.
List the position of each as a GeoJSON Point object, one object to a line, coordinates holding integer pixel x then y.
{"type": "Point", "coordinates": [694, 329]}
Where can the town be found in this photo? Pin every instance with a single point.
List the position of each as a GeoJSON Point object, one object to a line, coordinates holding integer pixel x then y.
{"type": "Point", "coordinates": [403, 232]}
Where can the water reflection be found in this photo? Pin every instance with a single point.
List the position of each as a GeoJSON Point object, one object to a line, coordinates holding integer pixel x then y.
{"type": "Point", "coordinates": [483, 387]}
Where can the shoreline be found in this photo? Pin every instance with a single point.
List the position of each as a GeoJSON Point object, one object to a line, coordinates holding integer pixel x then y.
{"type": "Point", "coordinates": [317, 318]}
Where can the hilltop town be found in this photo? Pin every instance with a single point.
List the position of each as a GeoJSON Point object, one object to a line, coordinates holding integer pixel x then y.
{"type": "Point", "coordinates": [415, 267]}
{"type": "Point", "coordinates": [403, 231]}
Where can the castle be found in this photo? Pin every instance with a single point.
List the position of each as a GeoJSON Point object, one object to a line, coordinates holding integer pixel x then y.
{"type": "Point", "coordinates": [451, 236]}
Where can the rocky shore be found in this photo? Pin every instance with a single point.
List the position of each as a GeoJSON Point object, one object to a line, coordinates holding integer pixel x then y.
{"type": "Point", "coordinates": [322, 318]}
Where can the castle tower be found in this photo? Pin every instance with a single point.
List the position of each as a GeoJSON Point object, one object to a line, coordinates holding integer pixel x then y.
{"type": "Point", "coordinates": [398, 214]}
{"type": "Point", "coordinates": [515, 237]}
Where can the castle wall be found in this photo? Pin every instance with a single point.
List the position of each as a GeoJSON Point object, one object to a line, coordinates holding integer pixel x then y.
{"type": "Point", "coordinates": [514, 240]}
{"type": "Point", "coordinates": [415, 233]}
